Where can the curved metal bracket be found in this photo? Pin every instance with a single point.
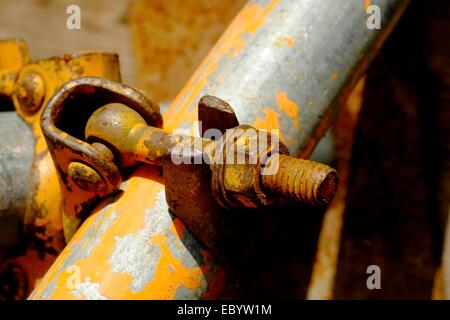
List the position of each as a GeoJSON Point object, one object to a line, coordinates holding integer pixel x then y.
{"type": "Point", "coordinates": [63, 121]}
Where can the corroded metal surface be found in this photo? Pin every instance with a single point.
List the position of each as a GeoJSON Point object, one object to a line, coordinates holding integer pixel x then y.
{"type": "Point", "coordinates": [154, 253]}
{"type": "Point", "coordinates": [305, 180]}
{"type": "Point", "coordinates": [316, 73]}
{"type": "Point", "coordinates": [29, 92]}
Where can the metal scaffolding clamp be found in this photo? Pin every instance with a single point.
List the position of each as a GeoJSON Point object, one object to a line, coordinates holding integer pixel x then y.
{"type": "Point", "coordinates": [123, 128]}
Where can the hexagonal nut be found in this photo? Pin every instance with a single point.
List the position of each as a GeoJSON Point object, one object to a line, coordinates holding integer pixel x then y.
{"type": "Point", "coordinates": [241, 185]}
{"type": "Point", "coordinates": [240, 181]}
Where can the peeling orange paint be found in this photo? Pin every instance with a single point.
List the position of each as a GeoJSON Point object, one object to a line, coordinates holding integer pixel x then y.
{"type": "Point", "coordinates": [288, 106]}
{"type": "Point", "coordinates": [269, 122]}
{"type": "Point", "coordinates": [335, 75]}
{"type": "Point", "coordinates": [130, 215]}
{"type": "Point", "coordinates": [284, 42]}
{"type": "Point", "coordinates": [290, 42]}
{"type": "Point", "coordinates": [250, 20]}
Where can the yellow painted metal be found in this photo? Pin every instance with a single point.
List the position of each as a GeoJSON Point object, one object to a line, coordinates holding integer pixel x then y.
{"type": "Point", "coordinates": [44, 208]}
{"type": "Point", "coordinates": [30, 89]}
{"type": "Point", "coordinates": [13, 55]}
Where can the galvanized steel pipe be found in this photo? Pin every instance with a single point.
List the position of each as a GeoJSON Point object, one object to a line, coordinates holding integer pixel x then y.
{"type": "Point", "coordinates": [16, 155]}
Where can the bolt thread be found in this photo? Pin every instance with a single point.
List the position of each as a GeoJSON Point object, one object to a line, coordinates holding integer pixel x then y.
{"type": "Point", "coordinates": [302, 180]}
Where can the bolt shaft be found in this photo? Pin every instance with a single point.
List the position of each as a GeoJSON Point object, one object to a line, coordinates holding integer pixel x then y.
{"type": "Point", "coordinates": [123, 129]}
{"type": "Point", "coordinates": [304, 180]}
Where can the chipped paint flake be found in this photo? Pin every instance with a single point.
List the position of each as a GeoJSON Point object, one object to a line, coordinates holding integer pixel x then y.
{"type": "Point", "coordinates": [184, 293]}
{"type": "Point", "coordinates": [269, 122]}
{"type": "Point", "coordinates": [288, 106]}
{"type": "Point", "coordinates": [135, 254]}
{"type": "Point", "coordinates": [90, 290]}
{"type": "Point", "coordinates": [284, 42]}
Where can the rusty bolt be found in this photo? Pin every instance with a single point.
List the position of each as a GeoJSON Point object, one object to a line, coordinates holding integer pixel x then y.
{"type": "Point", "coordinates": [307, 181]}
{"type": "Point", "coordinates": [255, 185]}
{"type": "Point", "coordinates": [85, 177]}
{"type": "Point", "coordinates": [30, 92]}
{"type": "Point", "coordinates": [233, 184]}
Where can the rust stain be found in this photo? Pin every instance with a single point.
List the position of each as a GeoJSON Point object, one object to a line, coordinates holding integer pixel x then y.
{"type": "Point", "coordinates": [288, 106]}
{"type": "Point", "coordinates": [367, 4]}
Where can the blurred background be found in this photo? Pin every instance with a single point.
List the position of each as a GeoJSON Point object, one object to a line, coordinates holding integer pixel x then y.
{"type": "Point", "coordinates": [160, 43]}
